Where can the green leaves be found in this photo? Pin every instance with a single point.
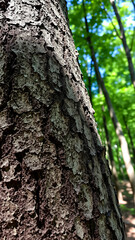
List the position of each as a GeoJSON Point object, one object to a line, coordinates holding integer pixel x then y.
{"type": "Point", "coordinates": [112, 61]}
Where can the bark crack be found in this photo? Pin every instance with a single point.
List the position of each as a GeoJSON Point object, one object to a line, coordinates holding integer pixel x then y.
{"type": "Point", "coordinates": [8, 78]}
{"type": "Point", "coordinates": [4, 5]}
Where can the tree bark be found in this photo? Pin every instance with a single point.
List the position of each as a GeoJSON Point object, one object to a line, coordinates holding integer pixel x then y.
{"type": "Point", "coordinates": [117, 125]}
{"type": "Point", "coordinates": [90, 93]}
{"type": "Point", "coordinates": [126, 48]}
{"type": "Point", "coordinates": [54, 179]}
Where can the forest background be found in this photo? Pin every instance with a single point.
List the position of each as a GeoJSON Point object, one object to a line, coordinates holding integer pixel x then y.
{"type": "Point", "coordinates": [104, 35]}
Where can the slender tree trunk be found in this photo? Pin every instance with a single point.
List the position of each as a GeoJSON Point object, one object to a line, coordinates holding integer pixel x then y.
{"type": "Point", "coordinates": [133, 3]}
{"type": "Point", "coordinates": [130, 137]}
{"type": "Point", "coordinates": [110, 152]}
{"type": "Point", "coordinates": [126, 48]}
{"type": "Point", "coordinates": [117, 126]}
{"type": "Point", "coordinates": [119, 161]}
{"type": "Point", "coordinates": [54, 180]}
{"type": "Point", "coordinates": [89, 82]}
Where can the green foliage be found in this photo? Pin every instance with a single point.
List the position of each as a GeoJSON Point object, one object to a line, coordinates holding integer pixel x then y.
{"type": "Point", "coordinates": [126, 209]}
{"type": "Point", "coordinates": [112, 61]}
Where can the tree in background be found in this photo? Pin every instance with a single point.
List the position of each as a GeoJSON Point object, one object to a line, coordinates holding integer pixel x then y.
{"type": "Point", "coordinates": [124, 42]}
{"type": "Point", "coordinates": [55, 182]}
{"type": "Point", "coordinates": [109, 56]}
{"type": "Point", "coordinates": [116, 123]}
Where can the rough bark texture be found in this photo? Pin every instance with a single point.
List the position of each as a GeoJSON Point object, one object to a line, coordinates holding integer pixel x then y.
{"type": "Point", "coordinates": [54, 178]}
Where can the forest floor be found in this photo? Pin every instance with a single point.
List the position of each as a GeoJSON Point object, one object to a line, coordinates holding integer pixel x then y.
{"type": "Point", "coordinates": [128, 210]}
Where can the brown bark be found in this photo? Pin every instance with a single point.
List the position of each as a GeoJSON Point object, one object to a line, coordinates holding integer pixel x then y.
{"type": "Point", "coordinates": [54, 180]}
{"type": "Point", "coordinates": [126, 48]}
{"type": "Point", "coordinates": [117, 125]}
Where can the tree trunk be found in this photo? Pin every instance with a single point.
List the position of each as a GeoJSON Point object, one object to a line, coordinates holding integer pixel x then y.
{"type": "Point", "coordinates": [126, 48]}
{"type": "Point", "coordinates": [110, 152]}
{"type": "Point", "coordinates": [90, 83]}
{"type": "Point", "coordinates": [89, 88]}
{"type": "Point", "coordinates": [130, 137]}
{"type": "Point", "coordinates": [117, 126]}
{"type": "Point", "coordinates": [55, 182]}
{"type": "Point", "coordinates": [119, 155]}
{"type": "Point", "coordinates": [133, 4]}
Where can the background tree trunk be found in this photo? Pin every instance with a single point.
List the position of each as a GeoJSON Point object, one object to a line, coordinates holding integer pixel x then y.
{"type": "Point", "coordinates": [130, 137]}
{"type": "Point", "coordinates": [124, 41]}
{"type": "Point", "coordinates": [55, 182]}
{"type": "Point", "coordinates": [116, 123]}
{"type": "Point", "coordinates": [110, 153]}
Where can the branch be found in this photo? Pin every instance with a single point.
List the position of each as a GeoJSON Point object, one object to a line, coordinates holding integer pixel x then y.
{"type": "Point", "coordinates": [132, 42]}
{"type": "Point", "coordinates": [133, 4]}
{"type": "Point", "coordinates": [111, 22]}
